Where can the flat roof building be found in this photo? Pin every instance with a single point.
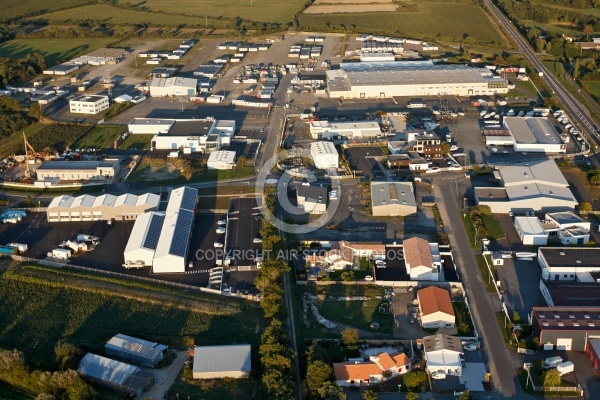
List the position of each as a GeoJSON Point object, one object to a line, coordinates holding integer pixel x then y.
{"type": "Point", "coordinates": [218, 362]}
{"type": "Point", "coordinates": [175, 86]}
{"type": "Point", "coordinates": [534, 135]}
{"type": "Point", "coordinates": [565, 328]}
{"type": "Point", "coordinates": [313, 199]}
{"type": "Point", "coordinates": [571, 294]}
{"type": "Point", "coordinates": [538, 186]}
{"type": "Point", "coordinates": [105, 170]}
{"type": "Point", "coordinates": [352, 130]}
{"type": "Point", "coordinates": [411, 78]}
{"type": "Point", "coordinates": [97, 208]}
{"type": "Point", "coordinates": [138, 351]}
{"type": "Point", "coordinates": [115, 375]}
{"type": "Point", "coordinates": [531, 231]}
{"type": "Point", "coordinates": [569, 263]}
{"type": "Point", "coordinates": [221, 159]}
{"type": "Point", "coordinates": [393, 199]}
{"type": "Point", "coordinates": [88, 104]}
{"type": "Point", "coordinates": [324, 155]}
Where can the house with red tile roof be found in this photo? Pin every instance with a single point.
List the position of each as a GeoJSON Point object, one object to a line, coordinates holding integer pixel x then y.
{"type": "Point", "coordinates": [368, 372]}
{"type": "Point", "coordinates": [435, 308]}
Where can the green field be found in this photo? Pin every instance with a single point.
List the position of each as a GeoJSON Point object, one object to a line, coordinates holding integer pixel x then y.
{"type": "Point", "coordinates": [54, 51]}
{"type": "Point", "coordinates": [15, 8]}
{"type": "Point", "coordinates": [99, 137]}
{"type": "Point", "coordinates": [593, 88]}
{"type": "Point", "coordinates": [451, 21]}
{"type": "Point", "coordinates": [357, 313]}
{"type": "Point", "coordinates": [261, 10]}
{"type": "Point", "coordinates": [44, 137]}
{"type": "Point", "coordinates": [41, 306]}
{"type": "Point", "coordinates": [110, 15]}
{"type": "Point", "coordinates": [141, 142]}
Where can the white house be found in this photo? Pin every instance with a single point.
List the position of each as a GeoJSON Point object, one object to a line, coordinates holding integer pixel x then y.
{"type": "Point", "coordinates": [422, 259]}
{"type": "Point", "coordinates": [364, 373]}
{"type": "Point", "coordinates": [443, 353]}
{"type": "Point", "coordinates": [88, 104]}
{"type": "Point", "coordinates": [531, 231]}
{"type": "Point", "coordinates": [324, 155]}
{"type": "Point", "coordinates": [435, 308]}
{"type": "Point", "coordinates": [313, 199]}
{"type": "Point", "coordinates": [221, 159]}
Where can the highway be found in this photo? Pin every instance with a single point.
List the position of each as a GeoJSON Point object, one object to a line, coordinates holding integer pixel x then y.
{"type": "Point", "coordinates": [578, 113]}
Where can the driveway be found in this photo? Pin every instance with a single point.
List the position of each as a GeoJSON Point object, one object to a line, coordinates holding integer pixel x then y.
{"type": "Point", "coordinates": [165, 377]}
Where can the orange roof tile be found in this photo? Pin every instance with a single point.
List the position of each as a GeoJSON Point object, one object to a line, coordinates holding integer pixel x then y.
{"type": "Point", "coordinates": [400, 359]}
{"type": "Point", "coordinates": [350, 371]}
{"type": "Point", "coordinates": [417, 252]}
{"type": "Point", "coordinates": [433, 299]}
{"type": "Point", "coordinates": [385, 360]}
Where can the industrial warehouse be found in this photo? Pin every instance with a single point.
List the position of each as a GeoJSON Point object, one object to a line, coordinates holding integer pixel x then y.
{"type": "Point", "coordinates": [190, 136]}
{"type": "Point", "coordinates": [411, 78]}
{"type": "Point", "coordinates": [162, 239]}
{"type": "Point", "coordinates": [526, 134]}
{"type": "Point", "coordinates": [106, 207]}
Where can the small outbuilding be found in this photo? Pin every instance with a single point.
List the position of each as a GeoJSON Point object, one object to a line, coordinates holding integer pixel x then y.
{"type": "Point", "coordinates": [217, 362]}
{"type": "Point", "coordinates": [221, 159]}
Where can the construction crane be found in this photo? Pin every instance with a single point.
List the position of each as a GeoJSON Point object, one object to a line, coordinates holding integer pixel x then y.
{"type": "Point", "coordinates": [34, 154]}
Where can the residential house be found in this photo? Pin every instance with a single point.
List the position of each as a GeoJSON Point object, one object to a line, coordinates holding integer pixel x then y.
{"type": "Point", "coordinates": [422, 259]}
{"type": "Point", "coordinates": [361, 373]}
{"type": "Point", "coordinates": [443, 353]}
{"type": "Point", "coordinates": [435, 308]}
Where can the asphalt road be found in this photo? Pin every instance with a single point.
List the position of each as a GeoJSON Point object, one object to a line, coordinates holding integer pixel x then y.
{"type": "Point", "coordinates": [500, 363]}
{"type": "Point", "coordinates": [578, 113]}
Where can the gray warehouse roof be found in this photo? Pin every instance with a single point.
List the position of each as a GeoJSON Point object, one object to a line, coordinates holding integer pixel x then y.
{"type": "Point", "coordinates": [317, 194]}
{"type": "Point", "coordinates": [576, 257]}
{"type": "Point", "coordinates": [135, 346]}
{"type": "Point", "coordinates": [531, 130]}
{"type": "Point", "coordinates": [106, 369]}
{"type": "Point", "coordinates": [222, 358]}
{"type": "Point", "coordinates": [386, 193]}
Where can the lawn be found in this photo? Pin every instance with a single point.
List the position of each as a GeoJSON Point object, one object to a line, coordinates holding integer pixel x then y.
{"type": "Point", "coordinates": [99, 137]}
{"type": "Point", "coordinates": [42, 305]}
{"type": "Point", "coordinates": [280, 11]}
{"type": "Point", "coordinates": [490, 283]}
{"type": "Point", "coordinates": [54, 51]}
{"type": "Point", "coordinates": [10, 392]}
{"type": "Point", "coordinates": [357, 313]}
{"type": "Point", "coordinates": [433, 20]}
{"type": "Point", "coordinates": [493, 227]}
{"type": "Point", "coordinates": [464, 323]}
{"type": "Point", "coordinates": [142, 142]}
{"type": "Point", "coordinates": [593, 88]}
{"type": "Point", "coordinates": [15, 8]}
{"type": "Point", "coordinates": [45, 137]}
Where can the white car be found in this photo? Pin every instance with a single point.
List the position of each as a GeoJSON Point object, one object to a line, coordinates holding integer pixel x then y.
{"type": "Point", "coordinates": [218, 244]}
{"type": "Point", "coordinates": [220, 230]}
{"type": "Point", "coordinates": [221, 222]}
{"type": "Point", "coordinates": [379, 262]}
{"type": "Point", "coordinates": [470, 347]}
{"type": "Point", "coordinates": [257, 240]}
{"type": "Point", "coordinates": [438, 375]}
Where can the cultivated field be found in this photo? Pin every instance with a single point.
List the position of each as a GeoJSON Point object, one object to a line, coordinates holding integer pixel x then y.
{"type": "Point", "coordinates": [15, 8]}
{"type": "Point", "coordinates": [430, 21]}
{"type": "Point", "coordinates": [349, 8]}
{"type": "Point", "coordinates": [42, 305]}
{"type": "Point", "coordinates": [107, 14]}
{"type": "Point", "coordinates": [53, 50]}
{"type": "Point", "coordinates": [352, 2]}
{"type": "Point", "coordinates": [280, 11]}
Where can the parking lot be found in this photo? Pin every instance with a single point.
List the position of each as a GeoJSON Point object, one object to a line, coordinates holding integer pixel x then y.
{"type": "Point", "coordinates": [243, 241]}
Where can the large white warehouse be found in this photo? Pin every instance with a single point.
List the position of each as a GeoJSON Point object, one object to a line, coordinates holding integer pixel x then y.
{"type": "Point", "coordinates": [91, 208]}
{"type": "Point", "coordinates": [177, 86]}
{"type": "Point", "coordinates": [411, 78]}
{"type": "Point", "coordinates": [324, 155]}
{"type": "Point", "coordinates": [162, 239]}
{"type": "Point", "coordinates": [534, 135]}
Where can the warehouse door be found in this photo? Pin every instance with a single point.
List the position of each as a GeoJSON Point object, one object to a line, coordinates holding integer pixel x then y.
{"type": "Point", "coordinates": [563, 344]}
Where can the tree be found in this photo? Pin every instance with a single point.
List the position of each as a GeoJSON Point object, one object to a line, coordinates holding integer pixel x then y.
{"type": "Point", "coordinates": [347, 276]}
{"type": "Point", "coordinates": [414, 379]}
{"type": "Point", "coordinates": [412, 396]}
{"type": "Point", "coordinates": [350, 338]}
{"type": "Point", "coordinates": [516, 317]}
{"type": "Point", "coordinates": [241, 161]}
{"type": "Point", "coordinates": [331, 391]}
{"type": "Point", "coordinates": [45, 396]}
{"type": "Point", "coordinates": [35, 110]}
{"type": "Point", "coordinates": [465, 395]}
{"type": "Point", "coordinates": [445, 148]}
{"type": "Point", "coordinates": [370, 395]}
{"type": "Point", "coordinates": [552, 378]}
{"type": "Point", "coordinates": [317, 352]}
{"type": "Point", "coordinates": [317, 374]}
{"type": "Point", "coordinates": [66, 355]}
{"type": "Point", "coordinates": [576, 69]}
{"type": "Point", "coordinates": [272, 301]}
{"type": "Point", "coordinates": [585, 207]}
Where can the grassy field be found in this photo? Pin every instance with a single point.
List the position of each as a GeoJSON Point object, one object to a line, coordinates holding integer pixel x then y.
{"type": "Point", "coordinates": [15, 8]}
{"type": "Point", "coordinates": [259, 10]}
{"type": "Point", "coordinates": [50, 137]}
{"type": "Point", "coordinates": [430, 21]}
{"type": "Point", "coordinates": [142, 142]}
{"type": "Point", "coordinates": [358, 313]}
{"type": "Point", "coordinates": [54, 51]}
{"type": "Point", "coordinates": [111, 15]}
{"type": "Point", "coordinates": [42, 306]}
{"type": "Point", "coordinates": [585, 11]}
{"type": "Point", "coordinates": [10, 392]}
{"type": "Point", "coordinates": [99, 137]}
{"type": "Point", "coordinates": [593, 88]}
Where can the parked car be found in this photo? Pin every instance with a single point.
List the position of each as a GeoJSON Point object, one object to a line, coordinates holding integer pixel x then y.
{"type": "Point", "coordinates": [257, 240]}
{"type": "Point", "coordinates": [438, 375]}
{"type": "Point", "coordinates": [218, 244]}
{"type": "Point", "coordinates": [470, 347]}
{"type": "Point", "coordinates": [220, 230]}
{"type": "Point", "coordinates": [221, 222]}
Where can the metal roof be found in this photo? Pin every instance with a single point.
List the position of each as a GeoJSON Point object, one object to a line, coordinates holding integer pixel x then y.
{"type": "Point", "coordinates": [387, 193]}
{"type": "Point", "coordinates": [135, 346]}
{"type": "Point", "coordinates": [316, 194]}
{"type": "Point", "coordinates": [442, 341]}
{"type": "Point", "coordinates": [105, 369]}
{"type": "Point", "coordinates": [531, 130]}
{"type": "Point", "coordinates": [74, 165]}
{"type": "Point", "coordinates": [222, 358]}
{"type": "Point", "coordinates": [530, 225]}
{"type": "Point", "coordinates": [542, 171]}
{"type": "Point", "coordinates": [575, 257]}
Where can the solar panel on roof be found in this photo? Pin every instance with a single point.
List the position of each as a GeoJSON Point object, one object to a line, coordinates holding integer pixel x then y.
{"type": "Point", "coordinates": [188, 201]}
{"type": "Point", "coordinates": [181, 234]}
{"type": "Point", "coordinates": [154, 230]}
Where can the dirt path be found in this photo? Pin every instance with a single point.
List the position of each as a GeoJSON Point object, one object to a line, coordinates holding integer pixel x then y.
{"type": "Point", "coordinates": [165, 377]}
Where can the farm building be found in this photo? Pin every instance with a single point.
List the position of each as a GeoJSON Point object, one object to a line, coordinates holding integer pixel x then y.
{"type": "Point", "coordinates": [313, 199]}
{"type": "Point", "coordinates": [177, 86]}
{"type": "Point", "coordinates": [362, 373]}
{"type": "Point", "coordinates": [443, 353]}
{"type": "Point", "coordinates": [162, 239]}
{"type": "Point", "coordinates": [221, 159]}
{"type": "Point", "coordinates": [565, 328]}
{"type": "Point", "coordinates": [410, 78]}
{"type": "Point", "coordinates": [217, 362]}
{"type": "Point", "coordinates": [85, 104]}
{"type": "Point", "coordinates": [539, 186]}
{"type": "Point", "coordinates": [435, 308]}
{"type": "Point", "coordinates": [531, 231]}
{"type": "Point", "coordinates": [393, 199]}
{"type": "Point", "coordinates": [324, 155]}
{"type": "Point", "coordinates": [105, 207]}
{"type": "Point", "coordinates": [422, 259]}
{"type": "Point", "coordinates": [124, 378]}
{"type": "Point", "coordinates": [189, 135]}
{"type": "Point", "coordinates": [78, 170]}
{"type": "Point", "coordinates": [534, 135]}
{"type": "Point", "coordinates": [351, 130]}
{"type": "Point", "coordinates": [569, 263]}
{"type": "Point", "coordinates": [138, 351]}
